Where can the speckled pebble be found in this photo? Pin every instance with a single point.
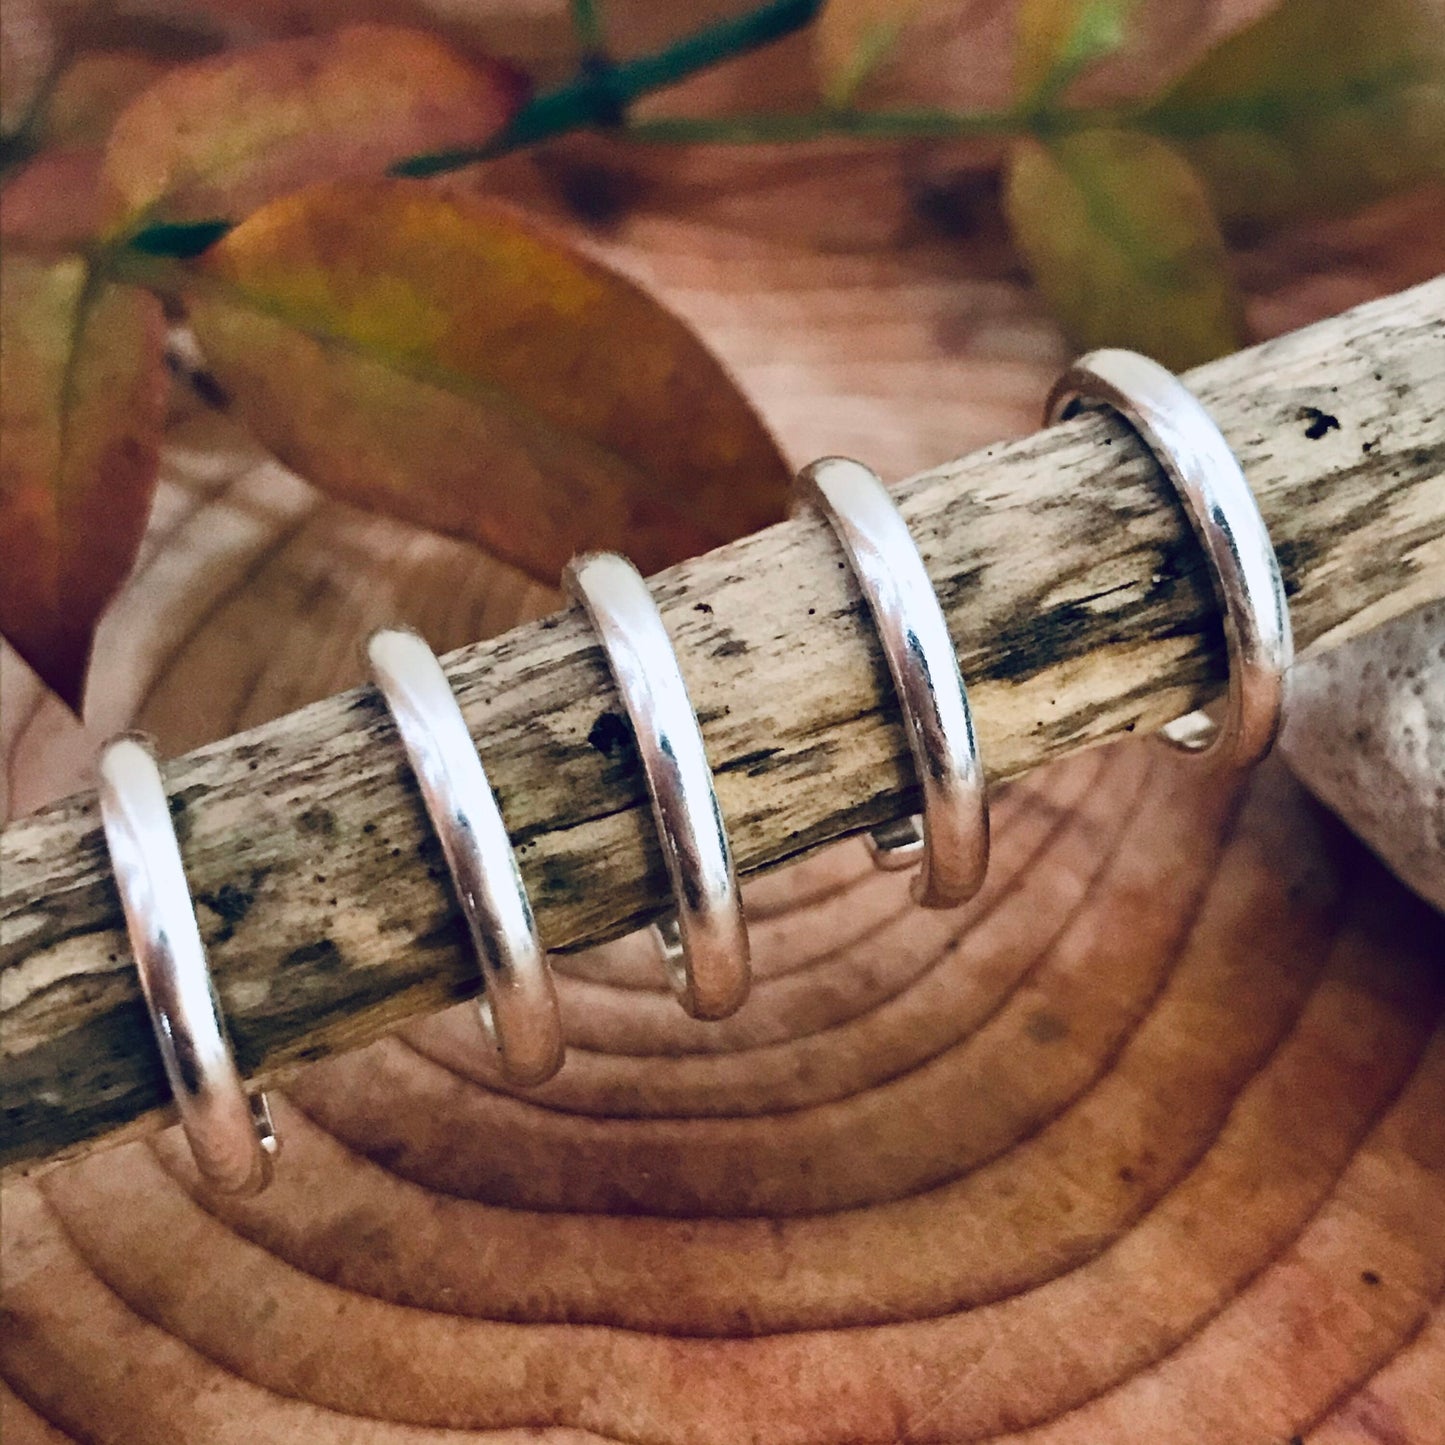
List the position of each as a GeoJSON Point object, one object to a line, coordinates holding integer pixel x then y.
{"type": "Point", "coordinates": [1366, 735]}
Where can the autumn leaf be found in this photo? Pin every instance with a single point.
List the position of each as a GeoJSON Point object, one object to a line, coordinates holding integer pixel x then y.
{"type": "Point", "coordinates": [51, 204]}
{"type": "Point", "coordinates": [1318, 108]}
{"type": "Point", "coordinates": [82, 394]}
{"type": "Point", "coordinates": [439, 359]}
{"type": "Point", "coordinates": [53, 201]}
{"type": "Point", "coordinates": [220, 137]}
{"type": "Point", "coordinates": [91, 92]}
{"type": "Point", "coordinates": [953, 55]}
{"type": "Point", "coordinates": [1120, 238]}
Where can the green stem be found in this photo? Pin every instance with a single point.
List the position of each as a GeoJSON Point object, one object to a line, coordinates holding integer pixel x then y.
{"type": "Point", "coordinates": [600, 95]}
{"type": "Point", "coordinates": [587, 24]}
{"type": "Point", "coordinates": [1271, 114]}
{"type": "Point", "coordinates": [822, 125]}
{"type": "Point", "coordinates": [178, 239]}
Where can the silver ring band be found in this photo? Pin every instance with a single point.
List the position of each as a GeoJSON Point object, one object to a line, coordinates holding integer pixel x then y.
{"type": "Point", "coordinates": [230, 1132]}
{"type": "Point", "coordinates": [953, 839]}
{"type": "Point", "coordinates": [706, 945]}
{"type": "Point", "coordinates": [1194, 455]}
{"type": "Point", "coordinates": [518, 1003]}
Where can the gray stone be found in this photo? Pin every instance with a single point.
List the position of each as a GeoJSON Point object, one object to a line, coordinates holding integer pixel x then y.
{"type": "Point", "coordinates": [1366, 735]}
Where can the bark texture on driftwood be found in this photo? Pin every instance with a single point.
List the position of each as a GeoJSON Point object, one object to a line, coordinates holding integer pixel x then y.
{"type": "Point", "coordinates": [1081, 610]}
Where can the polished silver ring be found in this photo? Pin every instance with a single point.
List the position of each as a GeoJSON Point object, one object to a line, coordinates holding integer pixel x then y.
{"type": "Point", "coordinates": [704, 943]}
{"type": "Point", "coordinates": [950, 838]}
{"type": "Point", "coordinates": [230, 1132]}
{"type": "Point", "coordinates": [518, 1002]}
{"type": "Point", "coordinates": [1193, 454]}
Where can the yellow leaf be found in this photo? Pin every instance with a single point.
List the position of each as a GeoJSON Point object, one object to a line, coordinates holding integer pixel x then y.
{"type": "Point", "coordinates": [222, 136]}
{"type": "Point", "coordinates": [439, 359]}
{"type": "Point", "coordinates": [1058, 39]}
{"type": "Point", "coordinates": [1118, 233]}
{"type": "Point", "coordinates": [1319, 107]}
{"type": "Point", "coordinates": [82, 399]}
{"type": "Point", "coordinates": [852, 37]}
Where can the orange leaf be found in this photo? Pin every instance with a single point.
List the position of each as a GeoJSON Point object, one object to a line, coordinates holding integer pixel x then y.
{"type": "Point", "coordinates": [82, 398]}
{"type": "Point", "coordinates": [439, 359]}
{"type": "Point", "coordinates": [222, 136]}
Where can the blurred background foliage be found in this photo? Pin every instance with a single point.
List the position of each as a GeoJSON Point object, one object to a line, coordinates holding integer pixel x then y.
{"type": "Point", "coordinates": [312, 198]}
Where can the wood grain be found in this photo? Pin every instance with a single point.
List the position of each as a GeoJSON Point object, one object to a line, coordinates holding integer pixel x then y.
{"type": "Point", "coordinates": [1078, 601]}
{"type": "Point", "coordinates": [1143, 1146]}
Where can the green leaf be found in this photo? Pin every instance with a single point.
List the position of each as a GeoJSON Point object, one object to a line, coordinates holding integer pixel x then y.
{"type": "Point", "coordinates": [1120, 237]}
{"type": "Point", "coordinates": [1058, 40]}
{"type": "Point", "coordinates": [1320, 107]}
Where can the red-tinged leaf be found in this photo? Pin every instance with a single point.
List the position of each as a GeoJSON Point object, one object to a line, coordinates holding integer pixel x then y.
{"type": "Point", "coordinates": [82, 398]}
{"type": "Point", "coordinates": [223, 136]}
{"type": "Point", "coordinates": [52, 203]}
{"type": "Point", "coordinates": [439, 359]}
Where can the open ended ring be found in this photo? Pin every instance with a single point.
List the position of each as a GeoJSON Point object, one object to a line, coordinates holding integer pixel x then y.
{"type": "Point", "coordinates": [232, 1139]}
{"type": "Point", "coordinates": [705, 944]}
{"type": "Point", "coordinates": [952, 835]}
{"type": "Point", "coordinates": [1193, 453]}
{"type": "Point", "coordinates": [518, 1003]}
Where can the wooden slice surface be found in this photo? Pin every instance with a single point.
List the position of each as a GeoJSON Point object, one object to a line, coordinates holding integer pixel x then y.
{"type": "Point", "coordinates": [1147, 1143]}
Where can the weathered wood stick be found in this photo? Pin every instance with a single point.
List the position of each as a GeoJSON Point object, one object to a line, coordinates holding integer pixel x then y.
{"type": "Point", "coordinates": [1081, 610]}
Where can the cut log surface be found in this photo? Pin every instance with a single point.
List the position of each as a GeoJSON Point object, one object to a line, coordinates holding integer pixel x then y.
{"type": "Point", "coordinates": [1145, 1144]}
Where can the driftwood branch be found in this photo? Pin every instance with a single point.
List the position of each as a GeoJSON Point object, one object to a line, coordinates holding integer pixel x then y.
{"type": "Point", "coordinates": [1076, 595]}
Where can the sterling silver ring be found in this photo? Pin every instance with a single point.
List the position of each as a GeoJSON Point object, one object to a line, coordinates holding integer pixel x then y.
{"type": "Point", "coordinates": [1192, 452]}
{"type": "Point", "coordinates": [950, 838]}
{"type": "Point", "coordinates": [232, 1139]}
{"type": "Point", "coordinates": [705, 942]}
{"type": "Point", "coordinates": [518, 1002]}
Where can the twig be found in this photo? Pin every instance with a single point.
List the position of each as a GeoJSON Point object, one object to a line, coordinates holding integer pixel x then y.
{"type": "Point", "coordinates": [1078, 601]}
